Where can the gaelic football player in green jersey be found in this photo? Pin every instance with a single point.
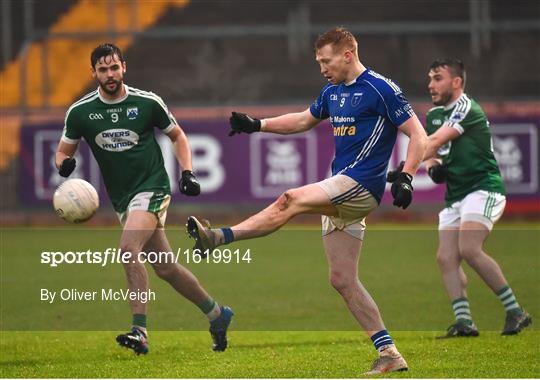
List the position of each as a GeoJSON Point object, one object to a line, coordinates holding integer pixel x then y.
{"type": "Point", "coordinates": [460, 153]}
{"type": "Point", "coordinates": [117, 122]}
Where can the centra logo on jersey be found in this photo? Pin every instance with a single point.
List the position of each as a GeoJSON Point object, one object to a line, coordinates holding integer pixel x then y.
{"type": "Point", "coordinates": [95, 116]}
{"type": "Point", "coordinates": [345, 130]}
{"type": "Point", "coordinates": [117, 140]}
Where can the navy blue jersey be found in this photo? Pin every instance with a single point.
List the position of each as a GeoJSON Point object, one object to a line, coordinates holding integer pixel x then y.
{"type": "Point", "coordinates": [364, 115]}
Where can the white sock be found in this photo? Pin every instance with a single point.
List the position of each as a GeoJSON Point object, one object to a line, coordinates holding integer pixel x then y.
{"type": "Point", "coordinates": [214, 313]}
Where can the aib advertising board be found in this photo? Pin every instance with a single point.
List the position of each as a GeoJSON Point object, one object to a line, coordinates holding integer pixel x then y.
{"type": "Point", "coordinates": [259, 167]}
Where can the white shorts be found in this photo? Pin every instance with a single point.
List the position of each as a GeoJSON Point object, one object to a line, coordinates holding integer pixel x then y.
{"type": "Point", "coordinates": [480, 206]}
{"type": "Point", "coordinates": [155, 203]}
{"type": "Point", "coordinates": [353, 203]}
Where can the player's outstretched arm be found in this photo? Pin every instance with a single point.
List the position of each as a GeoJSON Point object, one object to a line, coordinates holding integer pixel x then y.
{"type": "Point", "coordinates": [443, 135]}
{"type": "Point", "coordinates": [284, 124]}
{"type": "Point", "coordinates": [188, 183]}
{"type": "Point", "coordinates": [64, 160]}
{"type": "Point", "coordinates": [436, 171]}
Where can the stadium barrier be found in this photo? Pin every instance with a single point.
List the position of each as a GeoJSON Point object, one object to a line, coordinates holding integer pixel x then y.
{"type": "Point", "coordinates": [259, 167]}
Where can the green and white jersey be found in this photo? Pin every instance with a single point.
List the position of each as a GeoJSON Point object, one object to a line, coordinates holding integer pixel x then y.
{"type": "Point", "coordinates": [121, 136]}
{"type": "Point", "coordinates": [470, 160]}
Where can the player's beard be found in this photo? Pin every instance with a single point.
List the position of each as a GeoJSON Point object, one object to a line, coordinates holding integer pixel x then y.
{"type": "Point", "coordinates": [108, 91]}
{"type": "Point", "coordinates": [445, 98]}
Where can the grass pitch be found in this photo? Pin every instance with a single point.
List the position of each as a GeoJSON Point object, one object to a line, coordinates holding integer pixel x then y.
{"type": "Point", "coordinates": [288, 323]}
{"type": "Point", "coordinates": [252, 354]}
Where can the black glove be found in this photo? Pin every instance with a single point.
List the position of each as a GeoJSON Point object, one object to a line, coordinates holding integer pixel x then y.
{"type": "Point", "coordinates": [402, 190]}
{"type": "Point", "coordinates": [188, 184]}
{"type": "Point", "coordinates": [240, 122]}
{"type": "Point", "coordinates": [438, 173]}
{"type": "Point", "coordinates": [392, 175]}
{"type": "Point", "coordinates": [67, 167]}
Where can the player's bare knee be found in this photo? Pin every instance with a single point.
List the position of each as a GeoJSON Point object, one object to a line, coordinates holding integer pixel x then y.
{"type": "Point", "coordinates": [296, 201]}
{"type": "Point", "coordinates": [446, 260]}
{"type": "Point", "coordinates": [284, 201]}
{"type": "Point", "coordinates": [164, 271]}
{"type": "Point", "coordinates": [285, 206]}
{"type": "Point", "coordinates": [129, 253]}
{"type": "Point", "coordinates": [470, 253]}
{"type": "Point", "coordinates": [340, 281]}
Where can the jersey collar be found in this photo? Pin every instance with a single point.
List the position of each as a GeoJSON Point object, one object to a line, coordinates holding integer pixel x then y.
{"type": "Point", "coordinates": [355, 79]}
{"type": "Point", "coordinates": [451, 105]}
{"type": "Point", "coordinates": [115, 101]}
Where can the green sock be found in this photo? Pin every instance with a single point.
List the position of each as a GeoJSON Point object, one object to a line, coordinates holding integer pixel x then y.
{"type": "Point", "coordinates": [462, 310]}
{"type": "Point", "coordinates": [210, 308]}
{"type": "Point", "coordinates": [139, 320]}
{"type": "Point", "coordinates": [508, 299]}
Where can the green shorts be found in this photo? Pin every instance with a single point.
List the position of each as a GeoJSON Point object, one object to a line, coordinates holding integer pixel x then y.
{"type": "Point", "coordinates": [155, 203]}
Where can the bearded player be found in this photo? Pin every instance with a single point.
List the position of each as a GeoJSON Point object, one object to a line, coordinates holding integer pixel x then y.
{"type": "Point", "coordinates": [117, 121]}
{"type": "Point", "coordinates": [460, 153]}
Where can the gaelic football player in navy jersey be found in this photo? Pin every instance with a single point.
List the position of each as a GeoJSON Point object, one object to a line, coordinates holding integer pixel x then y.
{"type": "Point", "coordinates": [366, 110]}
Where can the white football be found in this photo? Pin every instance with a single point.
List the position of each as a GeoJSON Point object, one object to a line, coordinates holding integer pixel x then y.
{"type": "Point", "coordinates": [75, 200]}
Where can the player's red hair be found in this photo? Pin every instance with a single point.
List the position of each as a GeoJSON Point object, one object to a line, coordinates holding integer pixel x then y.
{"type": "Point", "coordinates": [340, 39]}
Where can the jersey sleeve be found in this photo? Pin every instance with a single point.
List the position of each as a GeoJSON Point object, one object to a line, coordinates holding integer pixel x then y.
{"type": "Point", "coordinates": [393, 102]}
{"type": "Point", "coordinates": [319, 108]}
{"type": "Point", "coordinates": [71, 133]}
{"type": "Point", "coordinates": [163, 118]}
{"type": "Point", "coordinates": [462, 117]}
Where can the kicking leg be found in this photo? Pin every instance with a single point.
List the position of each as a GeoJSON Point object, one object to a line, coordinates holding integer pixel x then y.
{"type": "Point", "coordinates": [309, 199]}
